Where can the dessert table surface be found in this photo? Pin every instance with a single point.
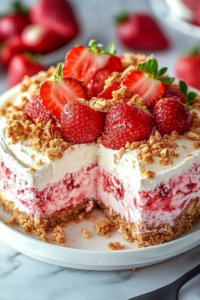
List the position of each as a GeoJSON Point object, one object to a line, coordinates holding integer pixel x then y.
{"type": "Point", "coordinates": [23, 278]}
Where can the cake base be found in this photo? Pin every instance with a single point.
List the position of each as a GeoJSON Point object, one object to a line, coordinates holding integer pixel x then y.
{"type": "Point", "coordinates": [46, 224]}
{"type": "Point", "coordinates": [155, 234]}
{"type": "Point", "coordinates": [132, 232]}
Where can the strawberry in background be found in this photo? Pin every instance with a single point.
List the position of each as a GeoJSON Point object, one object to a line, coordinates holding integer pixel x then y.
{"type": "Point", "coordinates": [13, 23]}
{"type": "Point", "coordinates": [21, 65]}
{"type": "Point", "coordinates": [38, 39]}
{"type": "Point", "coordinates": [140, 31]}
{"type": "Point", "coordinates": [187, 68]}
{"type": "Point", "coordinates": [56, 16]}
{"type": "Point", "coordinates": [11, 47]}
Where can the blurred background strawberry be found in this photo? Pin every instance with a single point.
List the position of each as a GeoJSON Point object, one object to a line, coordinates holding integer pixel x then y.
{"type": "Point", "coordinates": [49, 28]}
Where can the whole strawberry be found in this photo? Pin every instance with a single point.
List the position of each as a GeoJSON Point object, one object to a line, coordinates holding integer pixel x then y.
{"type": "Point", "coordinates": [141, 32]}
{"type": "Point", "coordinates": [39, 40]}
{"type": "Point", "coordinates": [124, 123]}
{"type": "Point", "coordinates": [56, 16]}
{"type": "Point", "coordinates": [187, 68]}
{"type": "Point", "coordinates": [13, 23]}
{"type": "Point", "coordinates": [81, 124]}
{"type": "Point", "coordinates": [171, 115]}
{"type": "Point", "coordinates": [182, 94]}
{"type": "Point", "coordinates": [11, 47]}
{"type": "Point", "coordinates": [34, 109]}
{"type": "Point", "coordinates": [21, 65]}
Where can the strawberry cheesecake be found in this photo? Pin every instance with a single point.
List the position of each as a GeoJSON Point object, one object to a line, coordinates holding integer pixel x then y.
{"type": "Point", "coordinates": [106, 131]}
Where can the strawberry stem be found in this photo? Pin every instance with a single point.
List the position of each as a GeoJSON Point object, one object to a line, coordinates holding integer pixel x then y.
{"type": "Point", "coordinates": [189, 96]}
{"type": "Point", "coordinates": [121, 18]}
{"type": "Point", "coordinates": [151, 68]}
{"type": "Point", "coordinates": [18, 7]}
{"type": "Point", "coordinates": [110, 49]}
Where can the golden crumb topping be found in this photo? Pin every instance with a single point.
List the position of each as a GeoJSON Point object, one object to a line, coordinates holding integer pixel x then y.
{"type": "Point", "coordinates": [104, 227]}
{"type": "Point", "coordinates": [115, 77]}
{"type": "Point", "coordinates": [44, 138]}
{"type": "Point", "coordinates": [58, 235]}
{"type": "Point", "coordinates": [132, 59]}
{"type": "Point", "coordinates": [116, 246]}
{"type": "Point", "coordinates": [85, 233]}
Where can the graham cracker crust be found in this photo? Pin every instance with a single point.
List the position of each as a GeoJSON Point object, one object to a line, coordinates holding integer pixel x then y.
{"type": "Point", "coordinates": [46, 224]}
{"type": "Point", "coordinates": [156, 235]}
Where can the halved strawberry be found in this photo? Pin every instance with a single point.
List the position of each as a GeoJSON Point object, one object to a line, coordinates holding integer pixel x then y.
{"type": "Point", "coordinates": [96, 84]}
{"type": "Point", "coordinates": [107, 92]}
{"type": "Point", "coordinates": [59, 91]}
{"type": "Point", "coordinates": [82, 62]}
{"type": "Point", "coordinates": [148, 82]}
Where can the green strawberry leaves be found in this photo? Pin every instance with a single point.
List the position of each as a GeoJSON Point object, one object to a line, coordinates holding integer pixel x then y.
{"type": "Point", "coordinates": [151, 68]}
{"type": "Point", "coordinates": [121, 18]}
{"type": "Point", "coordinates": [189, 96]}
{"type": "Point", "coordinates": [110, 49]}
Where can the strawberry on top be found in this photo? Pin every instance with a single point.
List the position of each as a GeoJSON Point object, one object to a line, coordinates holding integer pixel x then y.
{"type": "Point", "coordinates": [82, 62]}
{"type": "Point", "coordinates": [148, 82]}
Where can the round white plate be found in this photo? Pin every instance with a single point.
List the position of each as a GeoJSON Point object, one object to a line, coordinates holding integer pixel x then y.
{"type": "Point", "coordinates": [164, 13]}
{"type": "Point", "coordinates": [93, 253]}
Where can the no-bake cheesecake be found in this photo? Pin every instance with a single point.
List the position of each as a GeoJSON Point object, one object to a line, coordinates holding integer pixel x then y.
{"type": "Point", "coordinates": [99, 130]}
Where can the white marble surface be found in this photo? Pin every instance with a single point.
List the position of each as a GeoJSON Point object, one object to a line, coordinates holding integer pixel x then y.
{"type": "Point", "coordinates": [23, 278]}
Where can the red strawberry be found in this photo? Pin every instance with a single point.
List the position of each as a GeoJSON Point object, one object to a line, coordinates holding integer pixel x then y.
{"type": "Point", "coordinates": [56, 16]}
{"type": "Point", "coordinates": [34, 109]}
{"type": "Point", "coordinates": [40, 40]}
{"type": "Point", "coordinates": [56, 93]}
{"type": "Point", "coordinates": [183, 95]}
{"type": "Point", "coordinates": [82, 62]}
{"type": "Point", "coordinates": [171, 115]}
{"type": "Point", "coordinates": [192, 4]}
{"type": "Point", "coordinates": [81, 124]}
{"type": "Point", "coordinates": [21, 65]}
{"type": "Point", "coordinates": [173, 93]}
{"type": "Point", "coordinates": [125, 123]}
{"type": "Point", "coordinates": [13, 23]}
{"type": "Point", "coordinates": [107, 92]}
{"type": "Point", "coordinates": [96, 84]}
{"type": "Point", "coordinates": [10, 48]}
{"type": "Point", "coordinates": [187, 69]}
{"type": "Point", "coordinates": [148, 82]}
{"type": "Point", "coordinates": [140, 31]}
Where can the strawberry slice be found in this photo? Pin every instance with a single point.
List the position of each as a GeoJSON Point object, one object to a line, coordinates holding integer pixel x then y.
{"type": "Point", "coordinates": [82, 62]}
{"type": "Point", "coordinates": [148, 82]}
{"type": "Point", "coordinates": [107, 92]}
{"type": "Point", "coordinates": [96, 84]}
{"type": "Point", "coordinates": [59, 91]}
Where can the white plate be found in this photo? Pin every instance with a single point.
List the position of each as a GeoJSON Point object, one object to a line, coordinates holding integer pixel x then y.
{"type": "Point", "coordinates": [92, 253]}
{"type": "Point", "coordinates": [164, 13]}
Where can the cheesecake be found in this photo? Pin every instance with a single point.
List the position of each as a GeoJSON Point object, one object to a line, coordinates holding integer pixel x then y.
{"type": "Point", "coordinates": [102, 131]}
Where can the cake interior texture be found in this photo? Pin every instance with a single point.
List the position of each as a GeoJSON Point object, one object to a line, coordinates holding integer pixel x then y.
{"type": "Point", "coordinates": [149, 190]}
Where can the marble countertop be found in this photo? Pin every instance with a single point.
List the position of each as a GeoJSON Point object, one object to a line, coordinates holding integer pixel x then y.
{"type": "Point", "coordinates": [23, 278]}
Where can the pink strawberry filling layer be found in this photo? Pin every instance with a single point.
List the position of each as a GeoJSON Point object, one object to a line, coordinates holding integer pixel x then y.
{"type": "Point", "coordinates": [158, 206]}
{"type": "Point", "coordinates": [62, 195]}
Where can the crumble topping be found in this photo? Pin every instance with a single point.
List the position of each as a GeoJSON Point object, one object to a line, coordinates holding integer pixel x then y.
{"type": "Point", "coordinates": [104, 227]}
{"type": "Point", "coordinates": [44, 138]}
{"type": "Point", "coordinates": [58, 235]}
{"type": "Point", "coordinates": [116, 246]}
{"type": "Point", "coordinates": [115, 77]}
{"type": "Point", "coordinates": [132, 59]}
{"type": "Point", "coordinates": [31, 85]}
{"type": "Point", "coordinates": [121, 93]}
{"type": "Point", "coordinates": [148, 173]}
{"type": "Point", "coordinates": [86, 233]}
{"type": "Point", "coordinates": [39, 163]}
{"type": "Point", "coordinates": [31, 170]}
